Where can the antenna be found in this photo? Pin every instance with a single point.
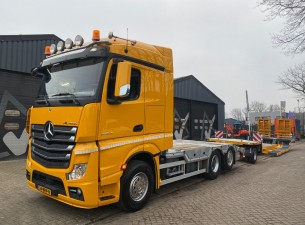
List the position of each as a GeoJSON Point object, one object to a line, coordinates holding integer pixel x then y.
{"type": "Point", "coordinates": [126, 49]}
{"type": "Point", "coordinates": [132, 42]}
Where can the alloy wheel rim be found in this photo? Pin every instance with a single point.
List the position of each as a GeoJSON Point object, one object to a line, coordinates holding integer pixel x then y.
{"type": "Point", "coordinates": [215, 163]}
{"type": "Point", "coordinates": [138, 186]}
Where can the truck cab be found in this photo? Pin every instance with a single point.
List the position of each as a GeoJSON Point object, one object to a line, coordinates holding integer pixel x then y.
{"type": "Point", "coordinates": [101, 104]}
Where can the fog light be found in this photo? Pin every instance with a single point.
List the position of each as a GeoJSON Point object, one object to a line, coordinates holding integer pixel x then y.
{"type": "Point", "coordinates": [76, 193]}
{"type": "Point", "coordinates": [79, 41]}
{"type": "Point", "coordinates": [60, 46]}
{"type": "Point", "coordinates": [53, 49]}
{"type": "Point", "coordinates": [68, 43]}
{"type": "Point", "coordinates": [78, 171]}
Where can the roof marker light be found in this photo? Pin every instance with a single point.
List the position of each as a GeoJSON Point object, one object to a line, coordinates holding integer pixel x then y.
{"type": "Point", "coordinates": [53, 49]}
{"type": "Point", "coordinates": [68, 43]}
{"type": "Point", "coordinates": [47, 50]}
{"type": "Point", "coordinates": [79, 40]}
{"type": "Point", "coordinates": [96, 35]}
{"type": "Point", "coordinates": [60, 46]}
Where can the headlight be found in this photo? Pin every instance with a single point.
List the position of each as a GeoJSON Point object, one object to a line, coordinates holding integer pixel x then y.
{"type": "Point", "coordinates": [78, 171]}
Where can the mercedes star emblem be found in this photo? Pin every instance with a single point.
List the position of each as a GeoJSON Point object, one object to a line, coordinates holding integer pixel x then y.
{"type": "Point", "coordinates": [48, 131]}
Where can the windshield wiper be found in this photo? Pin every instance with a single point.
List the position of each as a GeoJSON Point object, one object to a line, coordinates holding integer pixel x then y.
{"type": "Point", "coordinates": [76, 102]}
{"type": "Point", "coordinates": [45, 98]}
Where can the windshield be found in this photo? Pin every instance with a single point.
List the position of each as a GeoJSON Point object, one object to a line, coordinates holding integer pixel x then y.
{"type": "Point", "coordinates": [78, 78]}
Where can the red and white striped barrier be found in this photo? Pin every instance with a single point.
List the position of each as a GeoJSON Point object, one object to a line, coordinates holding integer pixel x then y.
{"type": "Point", "coordinates": [219, 134]}
{"type": "Point", "coordinates": [257, 137]}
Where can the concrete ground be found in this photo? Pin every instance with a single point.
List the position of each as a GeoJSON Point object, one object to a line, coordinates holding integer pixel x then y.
{"type": "Point", "coordinates": [272, 191]}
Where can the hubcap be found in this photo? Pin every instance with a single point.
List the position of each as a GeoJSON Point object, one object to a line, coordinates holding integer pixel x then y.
{"type": "Point", "coordinates": [230, 158]}
{"type": "Point", "coordinates": [215, 163]}
{"type": "Point", "coordinates": [138, 186]}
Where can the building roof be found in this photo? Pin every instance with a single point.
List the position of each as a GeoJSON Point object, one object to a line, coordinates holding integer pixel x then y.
{"type": "Point", "coordinates": [29, 37]}
{"type": "Point", "coordinates": [189, 87]}
{"type": "Point", "coordinates": [21, 53]}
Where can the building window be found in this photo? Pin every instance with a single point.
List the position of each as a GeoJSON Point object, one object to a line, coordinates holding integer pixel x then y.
{"type": "Point", "coordinates": [11, 126]}
{"type": "Point", "coordinates": [14, 113]}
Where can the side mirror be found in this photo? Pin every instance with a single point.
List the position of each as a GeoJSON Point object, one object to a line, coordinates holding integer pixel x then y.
{"type": "Point", "coordinates": [122, 82]}
{"type": "Point", "coordinates": [34, 72]}
{"type": "Point", "coordinates": [41, 72]}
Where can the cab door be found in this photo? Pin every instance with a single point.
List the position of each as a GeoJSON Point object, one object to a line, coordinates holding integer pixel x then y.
{"type": "Point", "coordinates": [122, 117]}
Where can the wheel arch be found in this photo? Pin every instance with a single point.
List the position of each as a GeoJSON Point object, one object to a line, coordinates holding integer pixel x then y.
{"type": "Point", "coordinates": [148, 158]}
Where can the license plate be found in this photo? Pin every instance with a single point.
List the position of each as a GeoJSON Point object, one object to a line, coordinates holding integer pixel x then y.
{"type": "Point", "coordinates": [44, 190]}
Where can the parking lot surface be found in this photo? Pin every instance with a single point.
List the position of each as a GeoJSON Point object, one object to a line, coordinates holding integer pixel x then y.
{"type": "Point", "coordinates": [272, 191]}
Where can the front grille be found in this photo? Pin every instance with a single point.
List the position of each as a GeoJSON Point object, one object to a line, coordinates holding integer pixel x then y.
{"type": "Point", "coordinates": [54, 153]}
{"type": "Point", "coordinates": [53, 183]}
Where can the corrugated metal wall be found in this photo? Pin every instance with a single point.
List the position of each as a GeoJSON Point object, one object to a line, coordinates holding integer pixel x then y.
{"type": "Point", "coordinates": [194, 120]}
{"type": "Point", "coordinates": [21, 53]}
{"type": "Point", "coordinates": [192, 89]}
{"type": "Point", "coordinates": [18, 89]}
{"type": "Point", "coordinates": [17, 94]}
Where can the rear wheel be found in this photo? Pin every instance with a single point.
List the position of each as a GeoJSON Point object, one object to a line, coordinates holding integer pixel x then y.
{"type": "Point", "coordinates": [228, 159]}
{"type": "Point", "coordinates": [214, 165]}
{"type": "Point", "coordinates": [253, 157]}
{"type": "Point", "coordinates": [136, 186]}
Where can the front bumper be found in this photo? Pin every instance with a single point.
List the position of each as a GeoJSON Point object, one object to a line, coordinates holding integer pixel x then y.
{"type": "Point", "coordinates": [89, 193]}
{"type": "Point", "coordinates": [53, 182]}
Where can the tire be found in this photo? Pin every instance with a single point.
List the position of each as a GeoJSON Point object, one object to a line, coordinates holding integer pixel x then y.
{"type": "Point", "coordinates": [214, 165]}
{"type": "Point", "coordinates": [253, 158]}
{"type": "Point", "coordinates": [136, 186]}
{"type": "Point", "coordinates": [228, 159]}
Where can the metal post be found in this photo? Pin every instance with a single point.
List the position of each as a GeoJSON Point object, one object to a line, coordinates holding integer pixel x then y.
{"type": "Point", "coordinates": [249, 125]}
{"type": "Point", "coordinates": [303, 122]}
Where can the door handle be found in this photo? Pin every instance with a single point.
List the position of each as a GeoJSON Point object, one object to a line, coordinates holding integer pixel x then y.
{"type": "Point", "coordinates": [138, 128]}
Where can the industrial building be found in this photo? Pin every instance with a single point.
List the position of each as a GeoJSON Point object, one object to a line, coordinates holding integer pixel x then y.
{"type": "Point", "coordinates": [198, 111]}
{"type": "Point", "coordinates": [18, 89]}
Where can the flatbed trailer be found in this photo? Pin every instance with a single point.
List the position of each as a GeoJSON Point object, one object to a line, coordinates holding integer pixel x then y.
{"type": "Point", "coordinates": [248, 150]}
{"type": "Point", "coordinates": [188, 158]}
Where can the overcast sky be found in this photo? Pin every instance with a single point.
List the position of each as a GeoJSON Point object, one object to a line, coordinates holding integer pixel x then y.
{"type": "Point", "coordinates": [224, 44]}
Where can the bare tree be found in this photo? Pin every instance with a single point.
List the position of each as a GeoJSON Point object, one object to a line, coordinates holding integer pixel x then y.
{"type": "Point", "coordinates": [274, 107]}
{"type": "Point", "coordinates": [292, 36]}
{"type": "Point", "coordinates": [294, 79]}
{"type": "Point", "coordinates": [257, 106]}
{"type": "Point", "coordinates": [237, 114]}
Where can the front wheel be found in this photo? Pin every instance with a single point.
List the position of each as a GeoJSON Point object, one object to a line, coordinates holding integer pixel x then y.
{"type": "Point", "coordinates": [214, 166]}
{"type": "Point", "coordinates": [136, 186]}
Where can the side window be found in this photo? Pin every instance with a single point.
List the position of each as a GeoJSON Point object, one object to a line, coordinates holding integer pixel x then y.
{"type": "Point", "coordinates": [135, 84]}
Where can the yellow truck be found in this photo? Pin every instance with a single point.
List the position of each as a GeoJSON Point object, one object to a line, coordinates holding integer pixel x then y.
{"type": "Point", "coordinates": [101, 129]}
